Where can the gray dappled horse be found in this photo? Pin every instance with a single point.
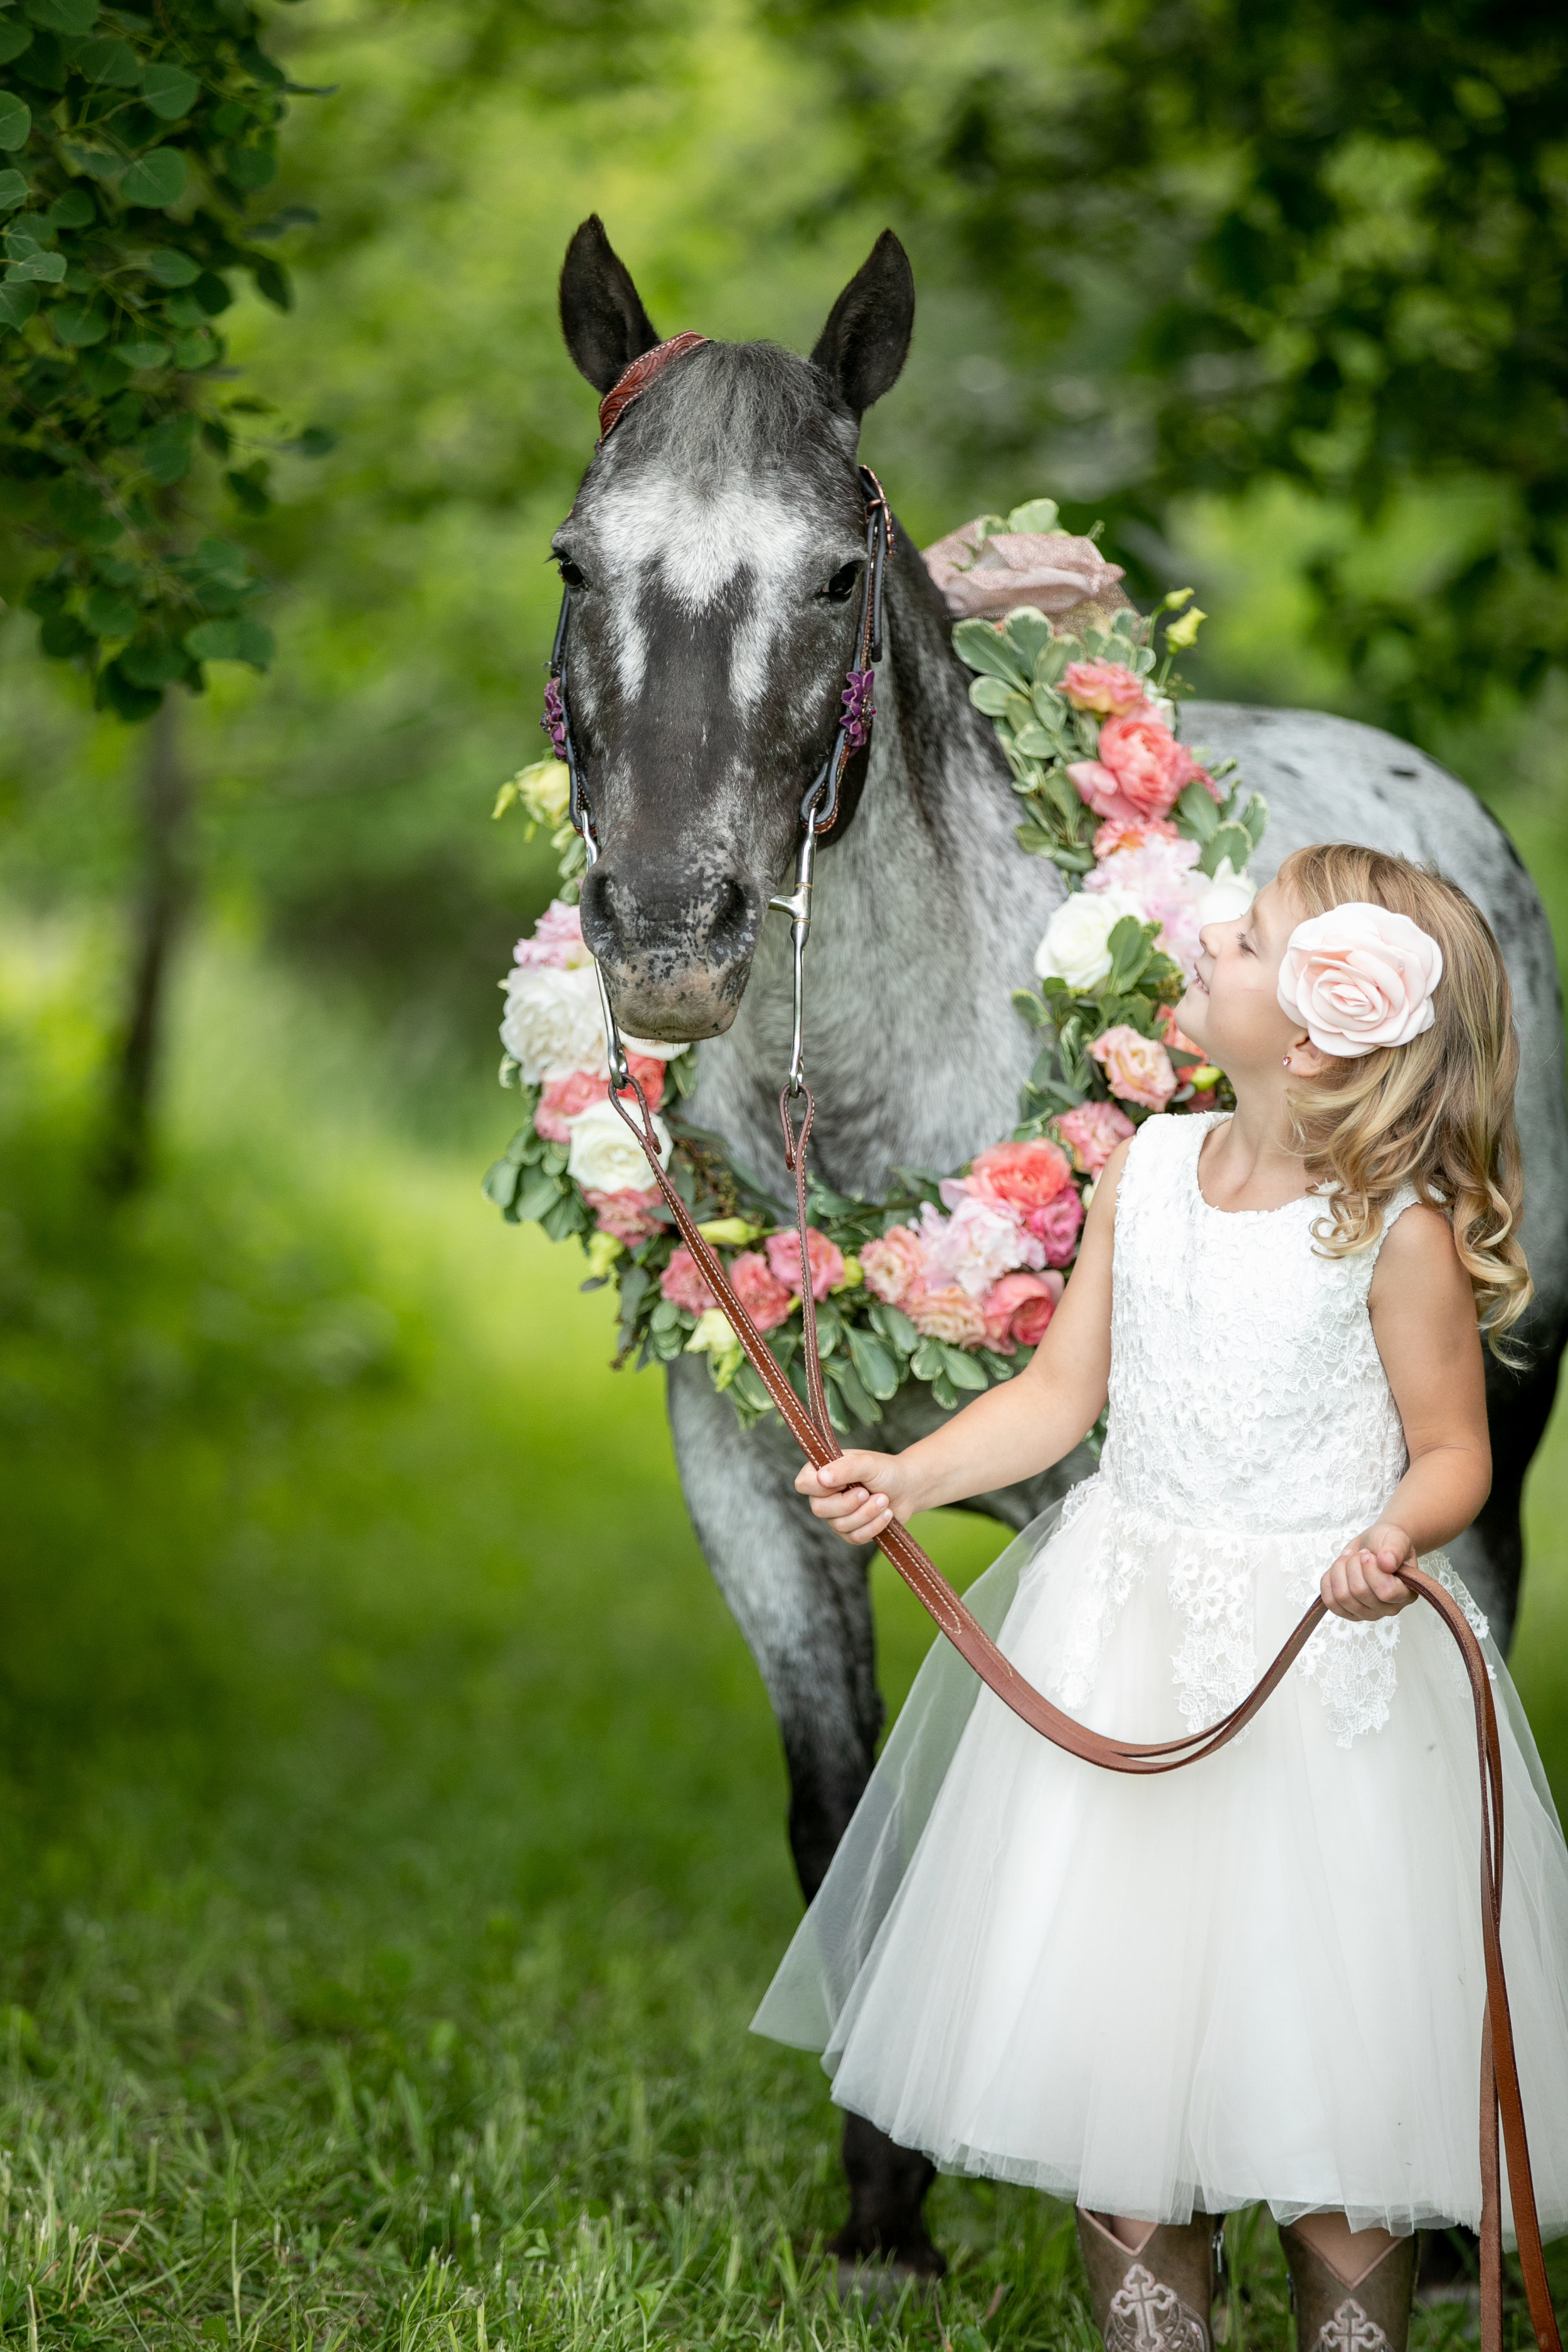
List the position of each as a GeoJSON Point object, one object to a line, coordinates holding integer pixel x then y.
{"type": "Point", "coordinates": [713, 557]}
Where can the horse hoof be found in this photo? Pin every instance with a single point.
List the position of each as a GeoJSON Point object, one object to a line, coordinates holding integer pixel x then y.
{"type": "Point", "coordinates": [879, 2286]}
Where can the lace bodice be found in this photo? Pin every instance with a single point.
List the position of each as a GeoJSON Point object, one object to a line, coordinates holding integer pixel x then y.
{"type": "Point", "coordinates": [1252, 1431]}
{"type": "Point", "coordinates": [1246, 1385]}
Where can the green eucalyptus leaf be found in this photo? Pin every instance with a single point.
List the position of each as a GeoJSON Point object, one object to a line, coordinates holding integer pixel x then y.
{"type": "Point", "coordinates": [841, 1372]}
{"type": "Point", "coordinates": [895, 1327]}
{"type": "Point", "coordinates": [1254, 818]}
{"type": "Point", "coordinates": [157, 179]}
{"type": "Point", "coordinates": [1038, 843]}
{"type": "Point", "coordinates": [926, 1363]}
{"type": "Point", "coordinates": [170, 91]}
{"type": "Point", "coordinates": [15, 121]}
{"type": "Point", "coordinates": [1031, 1007]}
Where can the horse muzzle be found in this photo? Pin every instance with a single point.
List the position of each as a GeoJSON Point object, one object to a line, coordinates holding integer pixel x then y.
{"type": "Point", "coordinates": [675, 956]}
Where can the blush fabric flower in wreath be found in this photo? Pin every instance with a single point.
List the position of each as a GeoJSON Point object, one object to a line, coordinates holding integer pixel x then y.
{"type": "Point", "coordinates": [1135, 1067]}
{"type": "Point", "coordinates": [1359, 978]}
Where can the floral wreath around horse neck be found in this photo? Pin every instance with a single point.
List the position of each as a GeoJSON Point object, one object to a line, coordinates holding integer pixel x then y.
{"type": "Point", "coordinates": [952, 1279]}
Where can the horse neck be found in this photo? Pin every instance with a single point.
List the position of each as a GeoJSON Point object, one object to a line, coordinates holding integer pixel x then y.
{"type": "Point", "coordinates": [926, 915]}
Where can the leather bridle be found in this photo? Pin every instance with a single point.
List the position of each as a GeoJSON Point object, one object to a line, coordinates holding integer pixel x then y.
{"type": "Point", "coordinates": [810, 1424]}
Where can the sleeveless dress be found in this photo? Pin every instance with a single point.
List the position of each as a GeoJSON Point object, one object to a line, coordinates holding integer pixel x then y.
{"type": "Point", "coordinates": [1261, 1977]}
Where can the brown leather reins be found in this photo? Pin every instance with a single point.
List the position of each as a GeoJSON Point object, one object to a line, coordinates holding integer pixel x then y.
{"type": "Point", "coordinates": [810, 1424]}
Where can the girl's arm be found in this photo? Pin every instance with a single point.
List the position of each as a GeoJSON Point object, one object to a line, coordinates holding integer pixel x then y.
{"type": "Point", "coordinates": [1014, 1430]}
{"type": "Point", "coordinates": [1424, 1320]}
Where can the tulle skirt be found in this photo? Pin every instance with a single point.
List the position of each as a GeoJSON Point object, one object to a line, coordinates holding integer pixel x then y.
{"type": "Point", "coordinates": [1256, 1979]}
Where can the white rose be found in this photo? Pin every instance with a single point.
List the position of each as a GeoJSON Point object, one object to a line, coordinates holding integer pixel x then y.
{"type": "Point", "coordinates": [1073, 948]}
{"type": "Point", "coordinates": [1228, 895]}
{"type": "Point", "coordinates": [552, 1023]}
{"type": "Point", "coordinates": [605, 1156]}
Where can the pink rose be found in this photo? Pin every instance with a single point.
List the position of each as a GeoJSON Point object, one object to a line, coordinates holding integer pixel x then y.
{"type": "Point", "coordinates": [1017, 1310]}
{"type": "Point", "coordinates": [765, 1299]}
{"type": "Point", "coordinates": [826, 1262]}
{"type": "Point", "coordinates": [1136, 1068]}
{"type": "Point", "coordinates": [949, 1313]}
{"type": "Point", "coordinates": [1115, 835]}
{"type": "Point", "coordinates": [624, 1214]}
{"type": "Point", "coordinates": [1091, 1133]}
{"type": "Point", "coordinates": [1027, 1174]}
{"type": "Point", "coordinates": [1148, 763]}
{"type": "Point", "coordinates": [895, 1265]}
{"type": "Point", "coordinates": [682, 1281]}
{"type": "Point", "coordinates": [1055, 1227]}
{"type": "Point", "coordinates": [1104, 686]}
{"type": "Point", "coordinates": [991, 577]}
{"type": "Point", "coordinates": [1360, 977]}
{"type": "Point", "coordinates": [563, 1098]}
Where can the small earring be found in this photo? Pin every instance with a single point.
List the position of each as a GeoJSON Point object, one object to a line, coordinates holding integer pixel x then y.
{"type": "Point", "coordinates": [1286, 1060]}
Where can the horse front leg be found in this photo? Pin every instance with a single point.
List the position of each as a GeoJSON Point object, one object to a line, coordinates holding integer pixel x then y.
{"type": "Point", "coordinates": [802, 1602]}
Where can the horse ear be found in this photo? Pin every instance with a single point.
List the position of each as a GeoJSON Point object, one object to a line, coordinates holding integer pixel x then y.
{"type": "Point", "coordinates": [602, 315]}
{"type": "Point", "coordinates": [867, 339]}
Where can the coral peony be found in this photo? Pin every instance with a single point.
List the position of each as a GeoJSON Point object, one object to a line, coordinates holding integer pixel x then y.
{"type": "Point", "coordinates": [826, 1261]}
{"type": "Point", "coordinates": [1104, 686]}
{"type": "Point", "coordinates": [1136, 1068]}
{"type": "Point", "coordinates": [626, 1214]}
{"type": "Point", "coordinates": [1091, 1133]}
{"type": "Point", "coordinates": [682, 1281]}
{"type": "Point", "coordinates": [1055, 1227]}
{"type": "Point", "coordinates": [1027, 1174]}
{"type": "Point", "coordinates": [1017, 1310]}
{"type": "Point", "coordinates": [765, 1298]}
{"type": "Point", "coordinates": [1148, 763]}
{"type": "Point", "coordinates": [950, 1313]}
{"type": "Point", "coordinates": [895, 1264]}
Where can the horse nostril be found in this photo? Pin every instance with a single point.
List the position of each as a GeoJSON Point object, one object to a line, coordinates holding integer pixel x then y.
{"type": "Point", "coordinates": [733, 923]}
{"type": "Point", "coordinates": [597, 906]}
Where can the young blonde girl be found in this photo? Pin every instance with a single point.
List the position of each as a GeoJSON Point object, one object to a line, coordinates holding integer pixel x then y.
{"type": "Point", "coordinates": [1259, 1979]}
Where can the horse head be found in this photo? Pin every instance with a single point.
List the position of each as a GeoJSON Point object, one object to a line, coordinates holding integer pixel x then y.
{"type": "Point", "coordinates": [713, 561]}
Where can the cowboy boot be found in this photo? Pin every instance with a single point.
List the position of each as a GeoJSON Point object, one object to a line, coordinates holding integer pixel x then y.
{"type": "Point", "coordinates": [1158, 2299]}
{"type": "Point", "coordinates": [1373, 2315]}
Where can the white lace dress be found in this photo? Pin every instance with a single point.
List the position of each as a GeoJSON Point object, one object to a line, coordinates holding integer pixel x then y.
{"type": "Point", "coordinates": [1259, 1978]}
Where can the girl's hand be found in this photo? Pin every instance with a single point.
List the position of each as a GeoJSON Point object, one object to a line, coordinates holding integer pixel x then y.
{"type": "Point", "coordinates": [1362, 1583]}
{"type": "Point", "coordinates": [860, 1492]}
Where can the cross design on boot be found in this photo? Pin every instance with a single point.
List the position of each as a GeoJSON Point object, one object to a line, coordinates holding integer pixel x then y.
{"type": "Point", "coordinates": [1145, 2316]}
{"type": "Point", "coordinates": [1351, 2330]}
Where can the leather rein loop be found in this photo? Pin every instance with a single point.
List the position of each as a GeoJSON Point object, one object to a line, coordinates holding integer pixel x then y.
{"type": "Point", "coordinates": [810, 1424]}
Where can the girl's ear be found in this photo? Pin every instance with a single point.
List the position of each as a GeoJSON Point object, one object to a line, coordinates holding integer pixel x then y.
{"type": "Point", "coordinates": [1305, 1061]}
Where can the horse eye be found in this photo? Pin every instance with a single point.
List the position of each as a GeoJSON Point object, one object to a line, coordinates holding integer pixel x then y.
{"type": "Point", "coordinates": [841, 587]}
{"type": "Point", "coordinates": [572, 573]}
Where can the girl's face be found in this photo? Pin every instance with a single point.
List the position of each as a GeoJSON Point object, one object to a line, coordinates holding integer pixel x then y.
{"type": "Point", "coordinates": [1232, 1009]}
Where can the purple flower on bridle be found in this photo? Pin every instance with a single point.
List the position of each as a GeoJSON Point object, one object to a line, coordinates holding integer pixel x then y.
{"type": "Point", "coordinates": [858, 707]}
{"type": "Point", "coordinates": [554, 719]}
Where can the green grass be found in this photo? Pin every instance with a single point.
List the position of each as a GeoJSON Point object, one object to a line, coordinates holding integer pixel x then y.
{"type": "Point", "coordinates": [392, 1820]}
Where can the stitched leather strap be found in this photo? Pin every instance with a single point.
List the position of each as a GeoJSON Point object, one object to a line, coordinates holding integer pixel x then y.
{"type": "Point", "coordinates": [813, 1432]}
{"type": "Point", "coordinates": [633, 381]}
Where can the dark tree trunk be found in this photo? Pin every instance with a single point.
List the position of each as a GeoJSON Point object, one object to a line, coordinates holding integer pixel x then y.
{"type": "Point", "coordinates": [162, 903]}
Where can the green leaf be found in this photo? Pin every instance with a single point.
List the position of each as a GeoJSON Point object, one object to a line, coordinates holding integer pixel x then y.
{"type": "Point", "coordinates": [1031, 1007]}
{"type": "Point", "coordinates": [13, 191]}
{"type": "Point", "coordinates": [987, 694]}
{"type": "Point", "coordinates": [1130, 948]}
{"type": "Point", "coordinates": [15, 121]}
{"type": "Point", "coordinates": [107, 613]}
{"type": "Point", "coordinates": [1034, 515]}
{"type": "Point", "coordinates": [1232, 841]}
{"type": "Point", "coordinates": [250, 167]}
{"type": "Point", "coordinates": [961, 1369]}
{"type": "Point", "coordinates": [169, 448]}
{"type": "Point", "coordinates": [1254, 818]}
{"type": "Point", "coordinates": [567, 1217]}
{"type": "Point", "coordinates": [171, 267]}
{"type": "Point", "coordinates": [44, 269]}
{"type": "Point", "coordinates": [170, 91]}
{"type": "Point", "coordinates": [845, 1379]}
{"type": "Point", "coordinates": [197, 351]}
{"type": "Point", "coordinates": [95, 161]}
{"type": "Point", "coordinates": [124, 697]}
{"type": "Point", "coordinates": [158, 661]}
{"type": "Point", "coordinates": [539, 1192]}
{"type": "Point", "coordinates": [62, 635]}
{"type": "Point", "coordinates": [213, 293]}
{"type": "Point", "coordinates": [978, 646]}
{"type": "Point", "coordinates": [748, 1392]}
{"type": "Point", "coordinates": [76, 324]}
{"type": "Point", "coordinates": [1196, 805]}
{"type": "Point", "coordinates": [112, 64]}
{"type": "Point", "coordinates": [1033, 740]}
{"type": "Point", "coordinates": [76, 17]}
{"type": "Point", "coordinates": [926, 1363]}
{"type": "Point", "coordinates": [1038, 841]}
{"type": "Point", "coordinates": [317, 441]}
{"type": "Point", "coordinates": [143, 352]}
{"type": "Point", "coordinates": [14, 39]}
{"type": "Point", "coordinates": [944, 1392]}
{"type": "Point", "coordinates": [876, 1363]}
{"type": "Point", "coordinates": [895, 1327]}
{"type": "Point", "coordinates": [157, 179]}
{"type": "Point", "coordinates": [256, 644]}
{"type": "Point", "coordinates": [219, 641]}
{"type": "Point", "coordinates": [1028, 631]}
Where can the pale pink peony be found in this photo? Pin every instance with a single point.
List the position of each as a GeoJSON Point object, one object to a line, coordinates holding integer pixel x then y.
{"type": "Point", "coordinates": [1104, 686]}
{"type": "Point", "coordinates": [949, 1313]}
{"type": "Point", "coordinates": [895, 1265]}
{"type": "Point", "coordinates": [1115, 835]}
{"type": "Point", "coordinates": [1360, 977]}
{"type": "Point", "coordinates": [683, 1281]}
{"type": "Point", "coordinates": [1092, 1132]}
{"type": "Point", "coordinates": [826, 1261]}
{"type": "Point", "coordinates": [1017, 1310]}
{"type": "Point", "coordinates": [624, 1214]}
{"type": "Point", "coordinates": [980, 1240]}
{"type": "Point", "coordinates": [1027, 1174]}
{"type": "Point", "coordinates": [557, 944]}
{"type": "Point", "coordinates": [1161, 874]}
{"type": "Point", "coordinates": [1055, 1227]}
{"type": "Point", "coordinates": [991, 577]}
{"type": "Point", "coordinates": [765, 1299]}
{"type": "Point", "coordinates": [1136, 1068]}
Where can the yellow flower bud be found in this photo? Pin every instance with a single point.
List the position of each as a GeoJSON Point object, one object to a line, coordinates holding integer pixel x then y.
{"type": "Point", "coordinates": [545, 790]}
{"type": "Point", "coordinates": [729, 1233]}
{"type": "Point", "coordinates": [715, 1337]}
{"type": "Point", "coordinates": [604, 1249]}
{"type": "Point", "coordinates": [1204, 1077]}
{"type": "Point", "coordinates": [853, 1276]}
{"type": "Point", "coordinates": [1181, 634]}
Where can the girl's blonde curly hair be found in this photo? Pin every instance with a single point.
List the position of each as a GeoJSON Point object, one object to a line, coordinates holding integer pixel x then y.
{"type": "Point", "coordinates": [1436, 1114]}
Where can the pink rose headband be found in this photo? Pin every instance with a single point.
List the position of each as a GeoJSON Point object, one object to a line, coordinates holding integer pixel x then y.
{"type": "Point", "coordinates": [1360, 977]}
